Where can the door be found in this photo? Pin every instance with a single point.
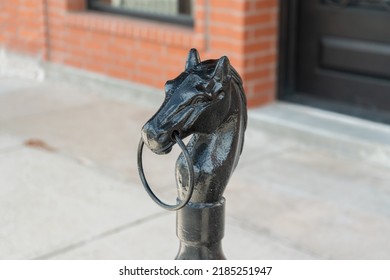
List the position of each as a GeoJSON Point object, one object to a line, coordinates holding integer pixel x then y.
{"type": "Point", "coordinates": [340, 56]}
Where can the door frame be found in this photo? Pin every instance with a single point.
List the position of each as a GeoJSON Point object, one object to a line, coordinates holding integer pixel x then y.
{"type": "Point", "coordinates": [287, 53]}
{"type": "Point", "coordinates": [288, 23]}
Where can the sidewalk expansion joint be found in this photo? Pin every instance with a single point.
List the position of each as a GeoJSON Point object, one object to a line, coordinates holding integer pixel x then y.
{"type": "Point", "coordinates": [102, 235]}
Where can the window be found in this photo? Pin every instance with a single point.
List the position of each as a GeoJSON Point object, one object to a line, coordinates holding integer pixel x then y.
{"type": "Point", "coordinates": [173, 11]}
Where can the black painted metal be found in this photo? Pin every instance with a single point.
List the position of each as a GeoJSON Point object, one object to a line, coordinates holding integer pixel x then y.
{"type": "Point", "coordinates": [207, 102]}
{"type": "Point", "coordinates": [186, 199]}
{"type": "Point", "coordinates": [200, 228]}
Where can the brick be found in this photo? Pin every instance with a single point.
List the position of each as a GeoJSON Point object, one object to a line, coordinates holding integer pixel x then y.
{"type": "Point", "coordinates": [58, 46]}
{"type": "Point", "coordinates": [146, 46]}
{"type": "Point", "coordinates": [227, 19]}
{"type": "Point", "coordinates": [261, 59]}
{"type": "Point", "coordinates": [261, 99]}
{"type": "Point", "coordinates": [118, 50]}
{"type": "Point", "coordinates": [267, 59]}
{"type": "Point", "coordinates": [223, 31]}
{"type": "Point", "coordinates": [75, 63]}
{"type": "Point", "coordinates": [95, 65]}
{"type": "Point", "coordinates": [256, 19]}
{"type": "Point", "coordinates": [201, 3]}
{"type": "Point", "coordinates": [97, 41]}
{"type": "Point", "coordinates": [76, 34]}
{"type": "Point", "coordinates": [258, 73]}
{"type": "Point", "coordinates": [119, 72]}
{"type": "Point", "coordinates": [226, 46]}
{"type": "Point", "coordinates": [120, 46]}
{"type": "Point", "coordinates": [76, 5]}
{"type": "Point", "coordinates": [266, 4]}
{"type": "Point", "coordinates": [146, 54]}
{"type": "Point", "coordinates": [231, 5]}
{"type": "Point", "coordinates": [151, 69]}
{"type": "Point", "coordinates": [77, 50]}
{"type": "Point", "coordinates": [171, 61]}
{"type": "Point", "coordinates": [263, 86]}
{"type": "Point", "coordinates": [261, 45]}
{"type": "Point", "coordinates": [146, 79]}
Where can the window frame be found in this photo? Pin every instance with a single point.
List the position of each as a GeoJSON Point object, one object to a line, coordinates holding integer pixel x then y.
{"type": "Point", "coordinates": [180, 19]}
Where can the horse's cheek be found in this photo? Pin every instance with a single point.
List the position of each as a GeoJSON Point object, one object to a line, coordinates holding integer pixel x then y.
{"type": "Point", "coordinates": [181, 172]}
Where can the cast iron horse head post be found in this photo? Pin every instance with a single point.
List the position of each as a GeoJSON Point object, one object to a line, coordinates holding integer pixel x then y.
{"type": "Point", "coordinates": [208, 102]}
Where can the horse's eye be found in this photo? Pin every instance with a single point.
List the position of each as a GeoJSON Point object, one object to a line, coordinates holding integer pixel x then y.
{"type": "Point", "coordinates": [200, 99]}
{"type": "Point", "coordinates": [200, 87]}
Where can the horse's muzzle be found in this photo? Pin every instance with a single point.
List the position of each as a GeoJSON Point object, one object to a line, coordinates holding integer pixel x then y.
{"type": "Point", "coordinates": [158, 142]}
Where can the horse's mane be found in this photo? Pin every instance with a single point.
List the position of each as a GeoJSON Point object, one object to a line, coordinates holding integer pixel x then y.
{"type": "Point", "coordinates": [239, 87]}
{"type": "Point", "coordinates": [205, 68]}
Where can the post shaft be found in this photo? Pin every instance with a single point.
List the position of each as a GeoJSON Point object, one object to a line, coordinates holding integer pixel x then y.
{"type": "Point", "coordinates": [200, 228]}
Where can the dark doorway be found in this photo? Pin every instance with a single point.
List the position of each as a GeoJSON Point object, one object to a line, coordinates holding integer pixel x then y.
{"type": "Point", "coordinates": [335, 54]}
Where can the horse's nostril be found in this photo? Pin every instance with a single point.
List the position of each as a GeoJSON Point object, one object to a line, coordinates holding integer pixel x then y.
{"type": "Point", "coordinates": [144, 134]}
{"type": "Point", "coordinates": [174, 134]}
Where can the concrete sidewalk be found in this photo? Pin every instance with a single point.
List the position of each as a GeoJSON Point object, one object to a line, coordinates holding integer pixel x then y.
{"type": "Point", "coordinates": [70, 189]}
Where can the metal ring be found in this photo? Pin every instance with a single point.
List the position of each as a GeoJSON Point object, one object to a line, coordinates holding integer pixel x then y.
{"type": "Point", "coordinates": [190, 167]}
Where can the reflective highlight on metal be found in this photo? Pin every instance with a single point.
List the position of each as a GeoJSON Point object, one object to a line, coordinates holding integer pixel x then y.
{"type": "Point", "coordinates": [187, 198]}
{"type": "Point", "coordinates": [207, 102]}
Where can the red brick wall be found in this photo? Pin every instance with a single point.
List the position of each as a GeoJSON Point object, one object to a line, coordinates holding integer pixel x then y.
{"type": "Point", "coordinates": [22, 26]}
{"type": "Point", "coordinates": [148, 52]}
{"type": "Point", "coordinates": [247, 32]}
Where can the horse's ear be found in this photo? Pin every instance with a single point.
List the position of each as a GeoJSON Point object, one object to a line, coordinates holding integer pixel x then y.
{"type": "Point", "coordinates": [192, 59]}
{"type": "Point", "coordinates": [222, 69]}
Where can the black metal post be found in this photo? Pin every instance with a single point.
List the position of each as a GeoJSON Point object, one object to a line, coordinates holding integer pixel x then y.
{"type": "Point", "coordinates": [200, 228]}
{"type": "Point", "coordinates": [206, 101]}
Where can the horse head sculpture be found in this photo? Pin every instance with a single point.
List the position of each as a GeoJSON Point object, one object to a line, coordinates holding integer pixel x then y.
{"type": "Point", "coordinates": [206, 101]}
